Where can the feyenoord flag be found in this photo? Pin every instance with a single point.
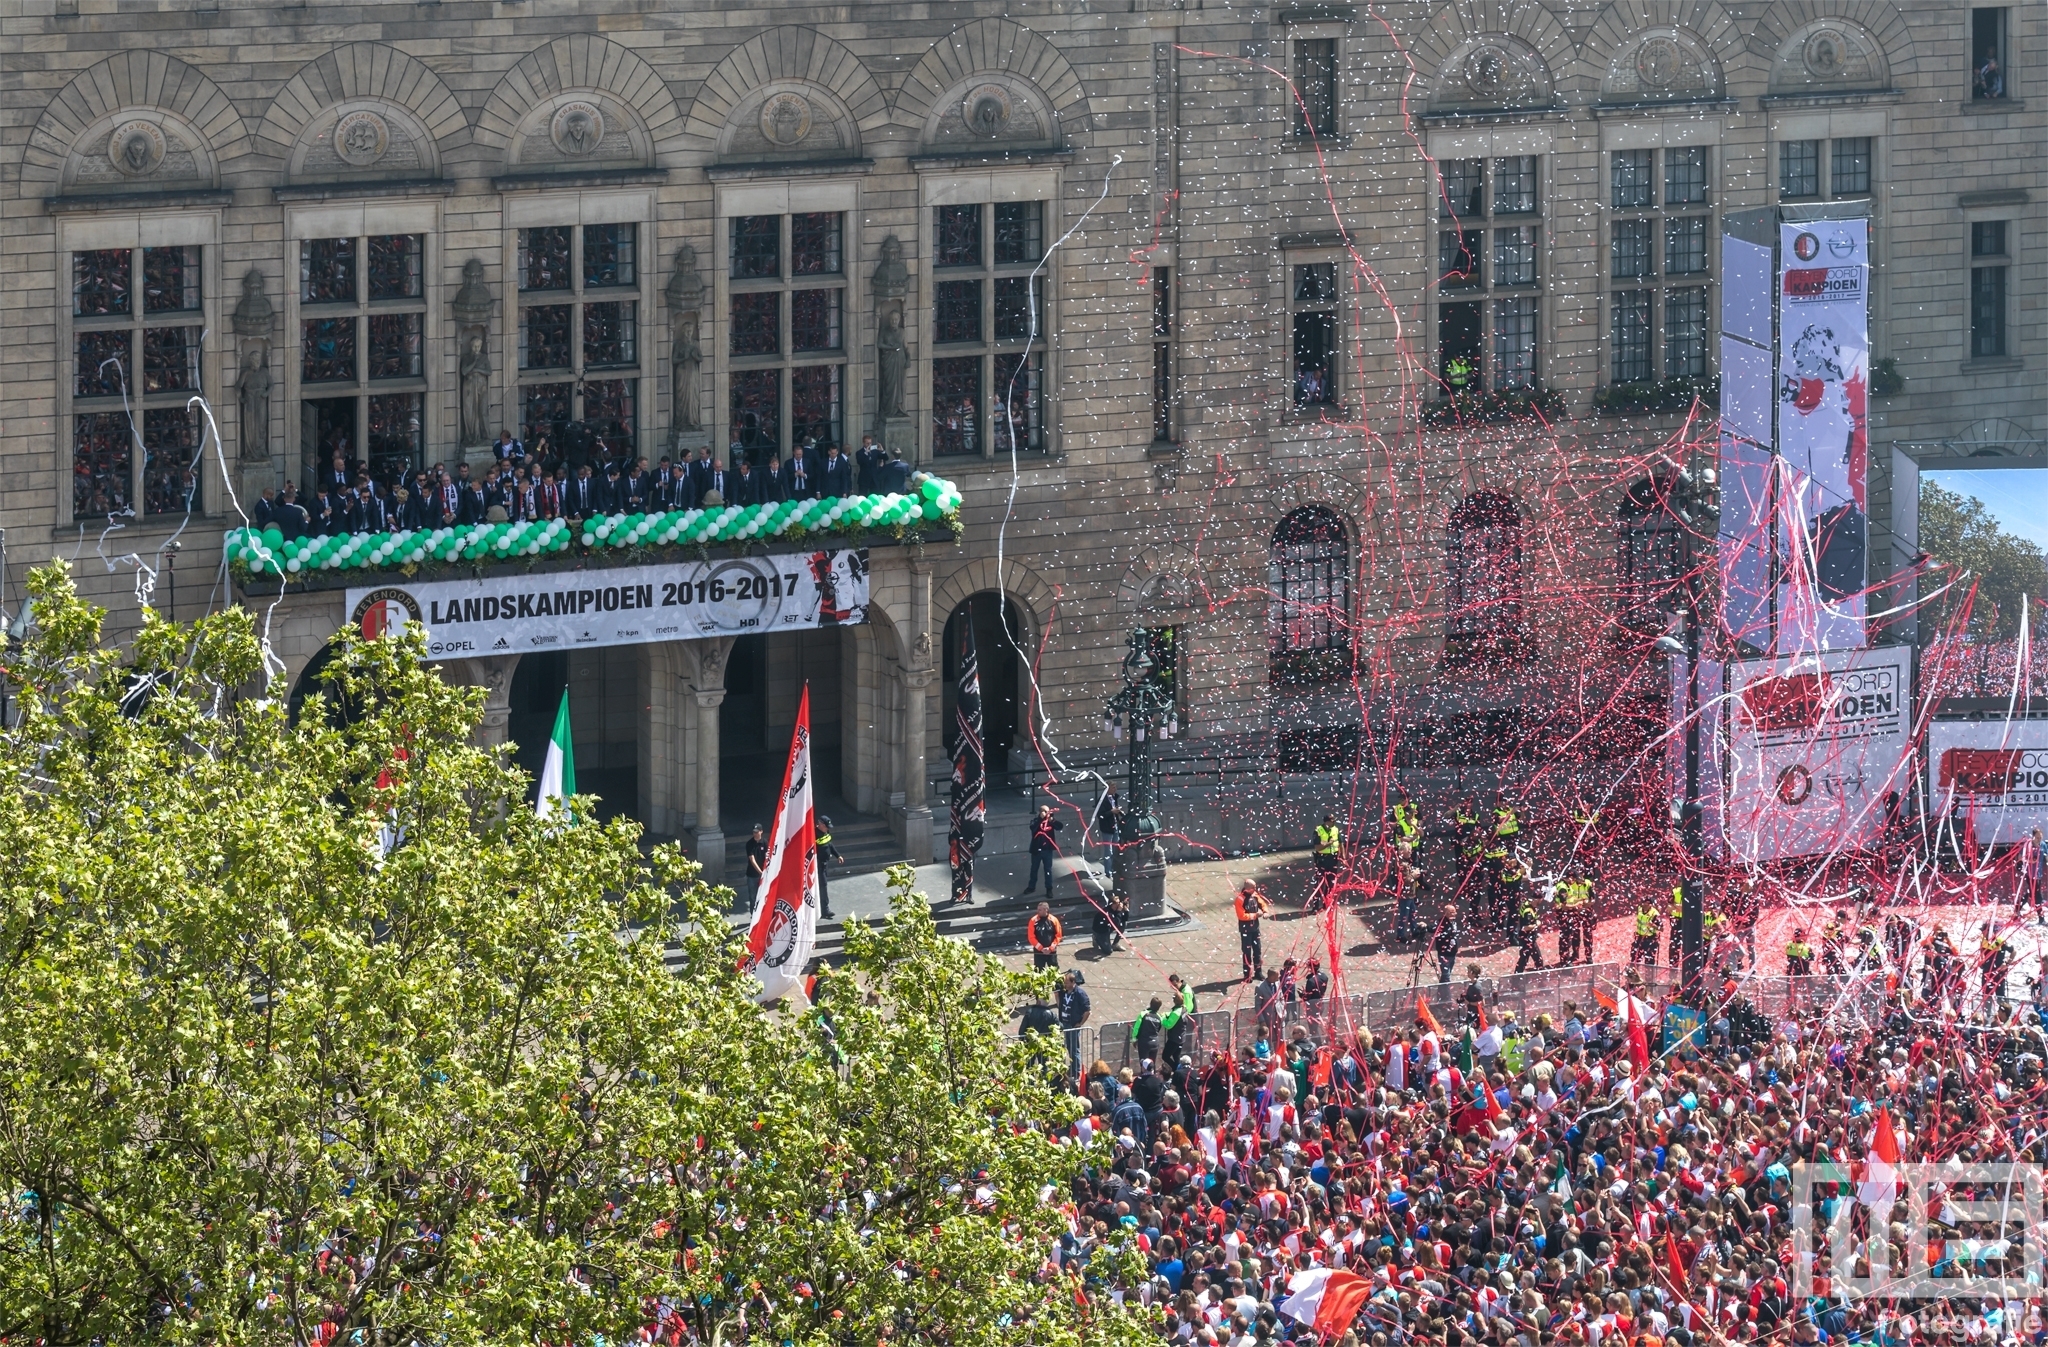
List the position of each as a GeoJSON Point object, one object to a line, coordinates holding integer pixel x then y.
{"type": "Point", "coordinates": [970, 772]}
{"type": "Point", "coordinates": [784, 928]}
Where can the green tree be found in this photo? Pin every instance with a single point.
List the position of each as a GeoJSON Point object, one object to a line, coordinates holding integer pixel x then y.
{"type": "Point", "coordinates": [312, 1029]}
{"type": "Point", "coordinates": [1961, 533]}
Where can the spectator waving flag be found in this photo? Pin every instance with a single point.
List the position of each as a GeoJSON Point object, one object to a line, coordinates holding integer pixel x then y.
{"type": "Point", "coordinates": [558, 773]}
{"type": "Point", "coordinates": [1880, 1186]}
{"type": "Point", "coordinates": [784, 928]}
{"type": "Point", "coordinates": [1326, 1299]}
{"type": "Point", "coordinates": [970, 772]}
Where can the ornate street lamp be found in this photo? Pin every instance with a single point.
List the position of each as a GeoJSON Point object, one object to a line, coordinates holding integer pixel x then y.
{"type": "Point", "coordinates": [1146, 708]}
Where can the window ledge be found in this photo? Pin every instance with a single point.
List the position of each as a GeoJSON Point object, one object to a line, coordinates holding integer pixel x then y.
{"type": "Point", "coordinates": [795, 168]}
{"type": "Point", "coordinates": [601, 177]}
{"type": "Point", "coordinates": [1652, 105]}
{"type": "Point", "coordinates": [1454, 117]}
{"type": "Point", "coordinates": [140, 527]}
{"type": "Point", "coordinates": [343, 191]}
{"type": "Point", "coordinates": [1306, 145]}
{"type": "Point", "coordinates": [1165, 449]}
{"type": "Point", "coordinates": [1992, 364]}
{"type": "Point", "coordinates": [991, 157]}
{"type": "Point", "coordinates": [1829, 98]}
{"type": "Point", "coordinates": [2000, 196]}
{"type": "Point", "coordinates": [71, 205]}
{"type": "Point", "coordinates": [1318, 414]}
{"type": "Point", "coordinates": [1992, 106]}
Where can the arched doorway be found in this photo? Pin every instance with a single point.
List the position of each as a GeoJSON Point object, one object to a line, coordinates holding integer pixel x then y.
{"type": "Point", "coordinates": [1002, 644]}
{"type": "Point", "coordinates": [604, 718]}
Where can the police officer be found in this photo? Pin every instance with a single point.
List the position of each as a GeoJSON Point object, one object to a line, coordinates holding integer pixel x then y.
{"type": "Point", "coordinates": [1407, 824]}
{"type": "Point", "coordinates": [1832, 941]}
{"type": "Point", "coordinates": [1528, 925]}
{"type": "Point", "coordinates": [1676, 937]}
{"type": "Point", "coordinates": [1176, 1020]}
{"type": "Point", "coordinates": [1643, 949]}
{"type": "Point", "coordinates": [1458, 372]}
{"type": "Point", "coordinates": [822, 850]}
{"type": "Point", "coordinates": [1250, 905]}
{"type": "Point", "coordinates": [1329, 852]}
{"type": "Point", "coordinates": [1514, 885]}
{"type": "Point", "coordinates": [1506, 826]}
{"type": "Point", "coordinates": [1798, 955]}
{"type": "Point", "coordinates": [1575, 919]}
{"type": "Point", "coordinates": [1042, 933]}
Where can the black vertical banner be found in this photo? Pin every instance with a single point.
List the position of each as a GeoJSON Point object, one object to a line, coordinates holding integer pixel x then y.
{"type": "Point", "coordinates": [970, 772]}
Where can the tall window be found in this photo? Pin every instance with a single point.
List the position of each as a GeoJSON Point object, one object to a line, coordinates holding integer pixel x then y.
{"type": "Point", "coordinates": [1308, 618]}
{"type": "Point", "coordinates": [1646, 554]}
{"type": "Point", "coordinates": [1987, 53]}
{"type": "Point", "coordinates": [1315, 85]}
{"type": "Point", "coordinates": [1988, 271]}
{"type": "Point", "coordinates": [1843, 167]}
{"type": "Point", "coordinates": [1162, 354]}
{"type": "Point", "coordinates": [579, 326]}
{"type": "Point", "coordinates": [138, 322]}
{"type": "Point", "coordinates": [1312, 304]}
{"type": "Point", "coordinates": [1489, 277]}
{"type": "Point", "coordinates": [1483, 593]}
{"type": "Point", "coordinates": [362, 372]}
{"type": "Point", "coordinates": [787, 323]}
{"type": "Point", "coordinates": [1659, 256]}
{"type": "Point", "coordinates": [988, 374]}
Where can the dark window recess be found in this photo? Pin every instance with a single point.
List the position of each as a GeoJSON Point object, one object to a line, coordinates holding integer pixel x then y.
{"type": "Point", "coordinates": [1483, 589]}
{"type": "Point", "coordinates": [1309, 576]}
{"type": "Point", "coordinates": [814, 248]}
{"type": "Point", "coordinates": [609, 255]}
{"type": "Point", "coordinates": [394, 435]}
{"type": "Point", "coordinates": [757, 412]}
{"type": "Point", "coordinates": [1987, 238]}
{"type": "Point", "coordinates": [1685, 333]}
{"type": "Point", "coordinates": [1631, 336]}
{"type": "Point", "coordinates": [956, 402]}
{"type": "Point", "coordinates": [1799, 168]}
{"type": "Point", "coordinates": [327, 350]}
{"type": "Point", "coordinates": [1017, 409]}
{"type": "Point", "coordinates": [1631, 250]}
{"type": "Point", "coordinates": [1458, 257]}
{"type": "Point", "coordinates": [1635, 179]}
{"type": "Point", "coordinates": [756, 247]}
{"type": "Point", "coordinates": [1013, 308]}
{"type": "Point", "coordinates": [1315, 86]}
{"type": "Point", "coordinates": [544, 258]}
{"type": "Point", "coordinates": [814, 404]}
{"type": "Point", "coordinates": [609, 333]}
{"type": "Point", "coordinates": [1987, 312]}
{"type": "Point", "coordinates": [959, 231]}
{"type": "Point", "coordinates": [608, 410]}
{"type": "Point", "coordinates": [1315, 349]}
{"type": "Point", "coordinates": [1850, 168]}
{"type": "Point", "coordinates": [101, 282]}
{"type": "Point", "coordinates": [394, 266]}
{"type": "Point", "coordinates": [395, 345]}
{"type": "Point", "coordinates": [544, 336]}
{"type": "Point", "coordinates": [1162, 354]}
{"type": "Point", "coordinates": [1321, 749]}
{"type": "Point", "coordinates": [1464, 188]}
{"type": "Point", "coordinates": [170, 444]}
{"type": "Point", "coordinates": [757, 324]}
{"type": "Point", "coordinates": [547, 409]}
{"type": "Point", "coordinates": [1020, 233]}
{"type": "Point", "coordinates": [956, 311]}
{"type": "Point", "coordinates": [102, 464]}
{"type": "Point", "coordinates": [327, 271]}
{"type": "Point", "coordinates": [1461, 343]}
{"type": "Point", "coordinates": [170, 359]}
{"type": "Point", "coordinates": [1514, 256]}
{"type": "Point", "coordinates": [814, 320]}
{"type": "Point", "coordinates": [1987, 52]}
{"type": "Point", "coordinates": [102, 365]}
{"type": "Point", "coordinates": [170, 280]}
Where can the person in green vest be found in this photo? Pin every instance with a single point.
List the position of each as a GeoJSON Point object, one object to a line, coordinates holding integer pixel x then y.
{"type": "Point", "coordinates": [1407, 824]}
{"type": "Point", "coordinates": [822, 850]}
{"type": "Point", "coordinates": [1676, 937]}
{"type": "Point", "coordinates": [1643, 949]}
{"type": "Point", "coordinates": [1798, 955]}
{"type": "Point", "coordinates": [1329, 854]}
{"type": "Point", "coordinates": [1459, 372]}
{"type": "Point", "coordinates": [1179, 1017]}
{"type": "Point", "coordinates": [1575, 918]}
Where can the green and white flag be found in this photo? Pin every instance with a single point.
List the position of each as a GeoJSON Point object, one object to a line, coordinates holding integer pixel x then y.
{"type": "Point", "coordinates": [558, 773]}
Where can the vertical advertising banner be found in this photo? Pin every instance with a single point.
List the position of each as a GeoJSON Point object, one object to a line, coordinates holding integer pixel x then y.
{"type": "Point", "coordinates": [1816, 742]}
{"type": "Point", "coordinates": [1823, 432]}
{"type": "Point", "coordinates": [1743, 546]}
{"type": "Point", "coordinates": [1993, 773]}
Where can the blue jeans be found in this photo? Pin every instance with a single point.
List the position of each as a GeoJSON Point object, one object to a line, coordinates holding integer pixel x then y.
{"type": "Point", "coordinates": [1039, 857]}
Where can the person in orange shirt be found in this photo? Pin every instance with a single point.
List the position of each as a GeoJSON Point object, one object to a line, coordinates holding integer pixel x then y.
{"type": "Point", "coordinates": [1042, 933]}
{"type": "Point", "coordinates": [1250, 905]}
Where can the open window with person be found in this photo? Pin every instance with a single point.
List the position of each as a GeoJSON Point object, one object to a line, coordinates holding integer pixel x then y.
{"type": "Point", "coordinates": [362, 363]}
{"type": "Point", "coordinates": [1312, 314]}
{"type": "Point", "coordinates": [1988, 74]}
{"type": "Point", "coordinates": [1489, 274]}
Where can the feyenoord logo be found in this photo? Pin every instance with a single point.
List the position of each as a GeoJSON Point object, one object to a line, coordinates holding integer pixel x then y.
{"type": "Point", "coordinates": [384, 612]}
{"type": "Point", "coordinates": [1795, 783]}
{"type": "Point", "coordinates": [781, 936]}
{"type": "Point", "coordinates": [1806, 247]}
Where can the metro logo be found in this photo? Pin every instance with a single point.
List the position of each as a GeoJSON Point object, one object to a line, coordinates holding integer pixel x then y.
{"type": "Point", "coordinates": [1793, 702]}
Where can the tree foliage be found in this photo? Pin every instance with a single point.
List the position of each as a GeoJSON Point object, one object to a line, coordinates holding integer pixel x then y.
{"type": "Point", "coordinates": [262, 1082]}
{"type": "Point", "coordinates": [1960, 532]}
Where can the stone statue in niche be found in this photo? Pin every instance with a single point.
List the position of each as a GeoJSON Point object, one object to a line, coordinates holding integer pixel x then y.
{"type": "Point", "coordinates": [892, 278]}
{"type": "Point", "coordinates": [252, 321]}
{"type": "Point", "coordinates": [472, 309]}
{"type": "Point", "coordinates": [891, 283]}
{"type": "Point", "coordinates": [890, 361]}
{"type": "Point", "coordinates": [684, 296]}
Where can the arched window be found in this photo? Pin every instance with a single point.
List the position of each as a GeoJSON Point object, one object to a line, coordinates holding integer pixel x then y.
{"type": "Point", "coordinates": [1308, 623]}
{"type": "Point", "coordinates": [1483, 558]}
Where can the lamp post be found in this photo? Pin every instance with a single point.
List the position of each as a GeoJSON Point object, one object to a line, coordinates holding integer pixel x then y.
{"type": "Point", "coordinates": [1147, 709]}
{"type": "Point", "coordinates": [1685, 503]}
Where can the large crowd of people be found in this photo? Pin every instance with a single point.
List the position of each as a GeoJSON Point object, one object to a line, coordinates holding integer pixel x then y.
{"type": "Point", "coordinates": [1559, 1179]}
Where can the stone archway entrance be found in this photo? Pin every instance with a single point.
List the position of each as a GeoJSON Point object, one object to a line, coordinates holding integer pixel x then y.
{"type": "Point", "coordinates": [1002, 644]}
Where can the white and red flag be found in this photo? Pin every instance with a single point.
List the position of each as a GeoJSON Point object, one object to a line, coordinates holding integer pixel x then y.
{"type": "Point", "coordinates": [1880, 1186]}
{"type": "Point", "coordinates": [1326, 1299]}
{"type": "Point", "coordinates": [784, 928]}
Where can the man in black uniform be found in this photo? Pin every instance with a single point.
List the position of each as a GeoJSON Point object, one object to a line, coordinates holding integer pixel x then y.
{"type": "Point", "coordinates": [822, 850]}
{"type": "Point", "coordinates": [1450, 933]}
{"type": "Point", "coordinates": [757, 864]}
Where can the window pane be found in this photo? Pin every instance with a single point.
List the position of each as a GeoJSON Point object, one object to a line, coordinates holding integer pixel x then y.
{"type": "Point", "coordinates": [814, 245]}
{"type": "Point", "coordinates": [394, 265]}
{"type": "Point", "coordinates": [102, 464]}
{"type": "Point", "coordinates": [170, 280]}
{"type": "Point", "coordinates": [170, 359]}
{"type": "Point", "coordinates": [1162, 301]}
{"type": "Point", "coordinates": [1987, 311]}
{"type": "Point", "coordinates": [395, 438]}
{"type": "Point", "coordinates": [1987, 52]}
{"type": "Point", "coordinates": [1315, 80]}
{"type": "Point", "coordinates": [814, 404]}
{"type": "Point", "coordinates": [1631, 336]}
{"type": "Point", "coordinates": [1685, 246]}
{"type": "Point", "coordinates": [1020, 236]}
{"type": "Point", "coordinates": [956, 406]}
{"type": "Point", "coordinates": [1464, 190]}
{"type": "Point", "coordinates": [101, 370]}
{"type": "Point", "coordinates": [757, 324]}
{"type": "Point", "coordinates": [100, 281]}
{"type": "Point", "coordinates": [757, 412]}
{"type": "Point", "coordinates": [1514, 256]}
{"type": "Point", "coordinates": [327, 271]}
{"type": "Point", "coordinates": [544, 336]}
{"type": "Point", "coordinates": [609, 256]}
{"type": "Point", "coordinates": [1457, 254]}
{"type": "Point", "coordinates": [544, 258]}
{"type": "Point", "coordinates": [170, 444]}
{"type": "Point", "coordinates": [1987, 238]}
{"type": "Point", "coordinates": [608, 410]}
{"type": "Point", "coordinates": [545, 410]}
{"type": "Point", "coordinates": [1013, 308]}
{"type": "Point", "coordinates": [1315, 348]}
{"type": "Point", "coordinates": [814, 319]}
{"type": "Point", "coordinates": [1309, 577]}
{"type": "Point", "coordinates": [756, 247]}
{"type": "Point", "coordinates": [1316, 283]}
{"type": "Point", "coordinates": [1685, 333]}
{"type": "Point", "coordinates": [1685, 176]}
{"type": "Point", "coordinates": [1851, 166]}
{"type": "Point", "coordinates": [610, 331]}
{"type": "Point", "coordinates": [1460, 345]}
{"type": "Point", "coordinates": [959, 233]}
{"type": "Point", "coordinates": [1632, 258]}
{"type": "Point", "coordinates": [1514, 185]}
{"type": "Point", "coordinates": [327, 350]}
{"type": "Point", "coordinates": [395, 345]}
{"type": "Point", "coordinates": [1162, 391]}
{"type": "Point", "coordinates": [1634, 179]}
{"type": "Point", "coordinates": [1014, 412]}
{"type": "Point", "coordinates": [1514, 342]}
{"type": "Point", "coordinates": [1799, 168]}
{"type": "Point", "coordinates": [956, 311]}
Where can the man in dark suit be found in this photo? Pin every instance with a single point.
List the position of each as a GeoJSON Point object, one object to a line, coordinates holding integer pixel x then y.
{"type": "Point", "coordinates": [716, 482]}
{"type": "Point", "coordinates": [835, 477]}
{"type": "Point", "coordinates": [580, 495]}
{"type": "Point", "coordinates": [867, 465]}
{"type": "Point", "coordinates": [611, 492]}
{"type": "Point", "coordinates": [371, 515]}
{"type": "Point", "coordinates": [320, 519]}
{"type": "Point", "coordinates": [746, 484]}
{"type": "Point", "coordinates": [799, 477]}
{"type": "Point", "coordinates": [289, 516]}
{"type": "Point", "coordinates": [475, 507]}
{"type": "Point", "coordinates": [894, 477]}
{"type": "Point", "coordinates": [768, 483]}
{"type": "Point", "coordinates": [700, 470]}
{"type": "Point", "coordinates": [449, 494]}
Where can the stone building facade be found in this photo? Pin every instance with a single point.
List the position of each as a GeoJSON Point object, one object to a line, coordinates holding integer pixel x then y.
{"type": "Point", "coordinates": [1149, 280]}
